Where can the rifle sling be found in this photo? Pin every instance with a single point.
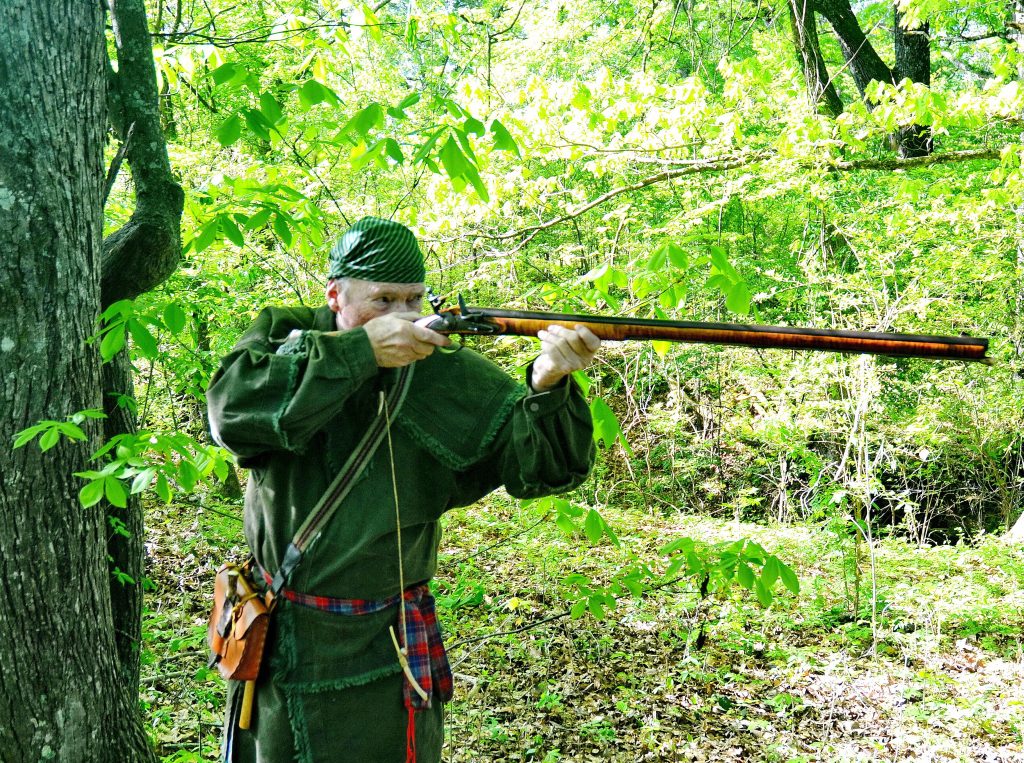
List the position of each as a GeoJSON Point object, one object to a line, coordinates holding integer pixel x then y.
{"type": "Point", "coordinates": [339, 488]}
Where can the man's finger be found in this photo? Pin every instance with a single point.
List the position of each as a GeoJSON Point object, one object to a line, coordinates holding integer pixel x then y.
{"type": "Point", "coordinates": [590, 339]}
{"type": "Point", "coordinates": [429, 337]}
{"type": "Point", "coordinates": [573, 345]}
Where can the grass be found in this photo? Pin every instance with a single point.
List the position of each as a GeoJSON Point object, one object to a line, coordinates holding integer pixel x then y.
{"type": "Point", "coordinates": [938, 676]}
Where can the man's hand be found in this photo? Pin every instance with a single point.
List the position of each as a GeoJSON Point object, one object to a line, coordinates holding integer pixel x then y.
{"type": "Point", "coordinates": [562, 351]}
{"type": "Point", "coordinates": [397, 341]}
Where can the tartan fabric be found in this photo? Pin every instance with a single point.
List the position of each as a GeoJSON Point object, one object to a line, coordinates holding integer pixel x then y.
{"type": "Point", "coordinates": [427, 658]}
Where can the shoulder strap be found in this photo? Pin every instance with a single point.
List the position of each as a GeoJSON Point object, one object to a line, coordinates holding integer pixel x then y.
{"type": "Point", "coordinates": [339, 488]}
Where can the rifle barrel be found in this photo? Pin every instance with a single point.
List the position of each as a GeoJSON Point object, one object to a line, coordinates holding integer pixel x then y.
{"type": "Point", "coordinates": [526, 323]}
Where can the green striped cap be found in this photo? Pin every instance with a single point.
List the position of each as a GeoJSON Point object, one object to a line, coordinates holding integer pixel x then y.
{"type": "Point", "coordinates": [378, 250]}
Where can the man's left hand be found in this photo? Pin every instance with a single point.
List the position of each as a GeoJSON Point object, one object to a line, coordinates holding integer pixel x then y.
{"type": "Point", "coordinates": [563, 350]}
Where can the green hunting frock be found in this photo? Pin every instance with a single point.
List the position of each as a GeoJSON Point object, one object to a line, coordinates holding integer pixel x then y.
{"type": "Point", "coordinates": [290, 402]}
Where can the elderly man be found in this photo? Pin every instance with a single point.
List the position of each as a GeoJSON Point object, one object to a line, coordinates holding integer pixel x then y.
{"type": "Point", "coordinates": [291, 402]}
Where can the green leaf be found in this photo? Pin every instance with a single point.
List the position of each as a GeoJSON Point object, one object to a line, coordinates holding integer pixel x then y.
{"type": "Point", "coordinates": [593, 526]}
{"type": "Point", "coordinates": [112, 342]}
{"type": "Point", "coordinates": [122, 308]}
{"type": "Point", "coordinates": [27, 435]}
{"type": "Point", "coordinates": [144, 341]}
{"type": "Point", "coordinates": [565, 524]}
{"type": "Point", "coordinates": [258, 124]}
{"type": "Point", "coordinates": [789, 578]}
{"type": "Point", "coordinates": [370, 154]}
{"type": "Point", "coordinates": [92, 493]}
{"type": "Point", "coordinates": [231, 231]}
{"type": "Point", "coordinates": [174, 318]}
{"type": "Point", "coordinates": [596, 605]}
{"type": "Point", "coordinates": [426, 148]}
{"type": "Point", "coordinates": [49, 439]}
{"type": "Point", "coordinates": [745, 575]}
{"type": "Point", "coordinates": [478, 184]}
{"type": "Point", "coordinates": [503, 140]}
{"type": "Point", "coordinates": [392, 149]}
{"type": "Point", "coordinates": [763, 594]}
{"type": "Point", "coordinates": [206, 236]}
{"type": "Point", "coordinates": [577, 610]}
{"type": "Point", "coordinates": [365, 120]}
{"type": "Point", "coordinates": [188, 476]}
{"type": "Point", "coordinates": [372, 24]}
{"type": "Point", "coordinates": [410, 100]}
{"type": "Point", "coordinates": [770, 572]}
{"type": "Point", "coordinates": [163, 489]}
{"type": "Point", "coordinates": [453, 108]}
{"type": "Point", "coordinates": [721, 262]}
{"type": "Point", "coordinates": [142, 480]}
{"type": "Point", "coordinates": [71, 431]}
{"type": "Point", "coordinates": [220, 469]}
{"type": "Point", "coordinates": [455, 163]}
{"type": "Point", "coordinates": [114, 491]}
{"type": "Point", "coordinates": [224, 73]}
{"type": "Point", "coordinates": [410, 32]}
{"type": "Point", "coordinates": [259, 219]}
{"type": "Point", "coordinates": [474, 127]}
{"type": "Point", "coordinates": [229, 130]}
{"type": "Point", "coordinates": [270, 108]}
{"type": "Point", "coordinates": [312, 92]}
{"type": "Point", "coordinates": [738, 299]}
{"type": "Point", "coordinates": [282, 230]}
{"type": "Point", "coordinates": [606, 425]}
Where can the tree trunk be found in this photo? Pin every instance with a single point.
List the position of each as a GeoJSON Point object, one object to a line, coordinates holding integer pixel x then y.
{"type": "Point", "coordinates": [912, 53]}
{"type": "Point", "coordinates": [820, 89]}
{"type": "Point", "coordinates": [62, 696]}
{"type": "Point", "coordinates": [861, 57]}
{"type": "Point", "coordinates": [136, 258]}
{"type": "Point", "coordinates": [913, 62]}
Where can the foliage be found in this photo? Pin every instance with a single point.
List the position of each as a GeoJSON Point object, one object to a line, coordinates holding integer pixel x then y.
{"type": "Point", "coordinates": [653, 160]}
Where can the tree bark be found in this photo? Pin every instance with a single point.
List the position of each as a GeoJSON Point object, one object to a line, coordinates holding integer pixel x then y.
{"type": "Point", "coordinates": [863, 61]}
{"type": "Point", "coordinates": [912, 53]}
{"type": "Point", "coordinates": [913, 61]}
{"type": "Point", "coordinates": [820, 89]}
{"type": "Point", "coordinates": [62, 696]}
{"type": "Point", "coordinates": [136, 258]}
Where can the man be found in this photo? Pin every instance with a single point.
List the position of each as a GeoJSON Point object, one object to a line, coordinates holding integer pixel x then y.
{"type": "Point", "coordinates": [290, 402]}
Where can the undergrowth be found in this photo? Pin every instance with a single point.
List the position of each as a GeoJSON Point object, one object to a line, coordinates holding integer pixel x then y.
{"type": "Point", "coordinates": [930, 668]}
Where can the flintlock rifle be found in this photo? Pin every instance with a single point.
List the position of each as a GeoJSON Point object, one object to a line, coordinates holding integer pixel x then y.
{"type": "Point", "coordinates": [486, 321]}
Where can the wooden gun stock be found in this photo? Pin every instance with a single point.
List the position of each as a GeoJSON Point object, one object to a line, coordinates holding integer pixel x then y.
{"type": "Point", "coordinates": [490, 321]}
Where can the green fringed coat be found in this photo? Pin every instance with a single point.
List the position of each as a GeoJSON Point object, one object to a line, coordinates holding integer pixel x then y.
{"type": "Point", "coordinates": [290, 402]}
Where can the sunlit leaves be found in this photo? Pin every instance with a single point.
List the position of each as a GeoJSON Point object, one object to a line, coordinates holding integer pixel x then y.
{"type": "Point", "coordinates": [229, 130]}
{"type": "Point", "coordinates": [503, 140]}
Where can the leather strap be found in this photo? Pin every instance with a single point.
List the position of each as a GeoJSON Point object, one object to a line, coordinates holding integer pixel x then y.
{"type": "Point", "coordinates": [328, 504]}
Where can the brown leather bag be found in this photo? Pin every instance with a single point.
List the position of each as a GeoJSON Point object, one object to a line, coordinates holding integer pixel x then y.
{"type": "Point", "coordinates": [238, 625]}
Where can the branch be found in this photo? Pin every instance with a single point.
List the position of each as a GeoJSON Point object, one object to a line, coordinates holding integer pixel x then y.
{"type": "Point", "coordinates": [144, 251]}
{"type": "Point", "coordinates": [918, 161]}
{"type": "Point", "coordinates": [722, 164]}
{"type": "Point", "coordinates": [700, 166]}
{"type": "Point", "coordinates": [115, 164]}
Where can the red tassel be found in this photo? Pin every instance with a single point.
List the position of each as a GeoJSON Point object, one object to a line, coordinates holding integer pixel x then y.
{"type": "Point", "coordinates": [410, 736]}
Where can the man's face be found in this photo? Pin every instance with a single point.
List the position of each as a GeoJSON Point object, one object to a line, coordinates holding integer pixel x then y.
{"type": "Point", "coordinates": [355, 302]}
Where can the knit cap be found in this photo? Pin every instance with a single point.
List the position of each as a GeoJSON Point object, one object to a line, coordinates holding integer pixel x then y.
{"type": "Point", "coordinates": [380, 250]}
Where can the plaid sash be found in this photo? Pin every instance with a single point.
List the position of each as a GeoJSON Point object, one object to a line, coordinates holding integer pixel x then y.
{"type": "Point", "coordinates": [427, 657]}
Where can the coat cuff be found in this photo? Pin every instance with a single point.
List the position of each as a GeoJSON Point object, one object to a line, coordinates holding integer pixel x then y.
{"type": "Point", "coordinates": [548, 401]}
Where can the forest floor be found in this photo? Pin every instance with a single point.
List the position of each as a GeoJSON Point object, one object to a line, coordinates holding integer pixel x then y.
{"type": "Point", "coordinates": [938, 676]}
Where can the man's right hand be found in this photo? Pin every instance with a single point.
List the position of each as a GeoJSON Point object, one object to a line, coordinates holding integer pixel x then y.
{"type": "Point", "coordinates": [397, 341]}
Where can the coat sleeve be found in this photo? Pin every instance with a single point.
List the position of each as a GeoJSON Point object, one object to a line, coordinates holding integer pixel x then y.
{"type": "Point", "coordinates": [545, 446]}
{"type": "Point", "coordinates": [272, 395]}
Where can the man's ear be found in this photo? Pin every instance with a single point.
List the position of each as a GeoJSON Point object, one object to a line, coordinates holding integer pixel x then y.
{"type": "Point", "coordinates": [333, 295]}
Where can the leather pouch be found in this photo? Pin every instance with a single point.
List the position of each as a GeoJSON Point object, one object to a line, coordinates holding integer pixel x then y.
{"type": "Point", "coordinates": [237, 631]}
